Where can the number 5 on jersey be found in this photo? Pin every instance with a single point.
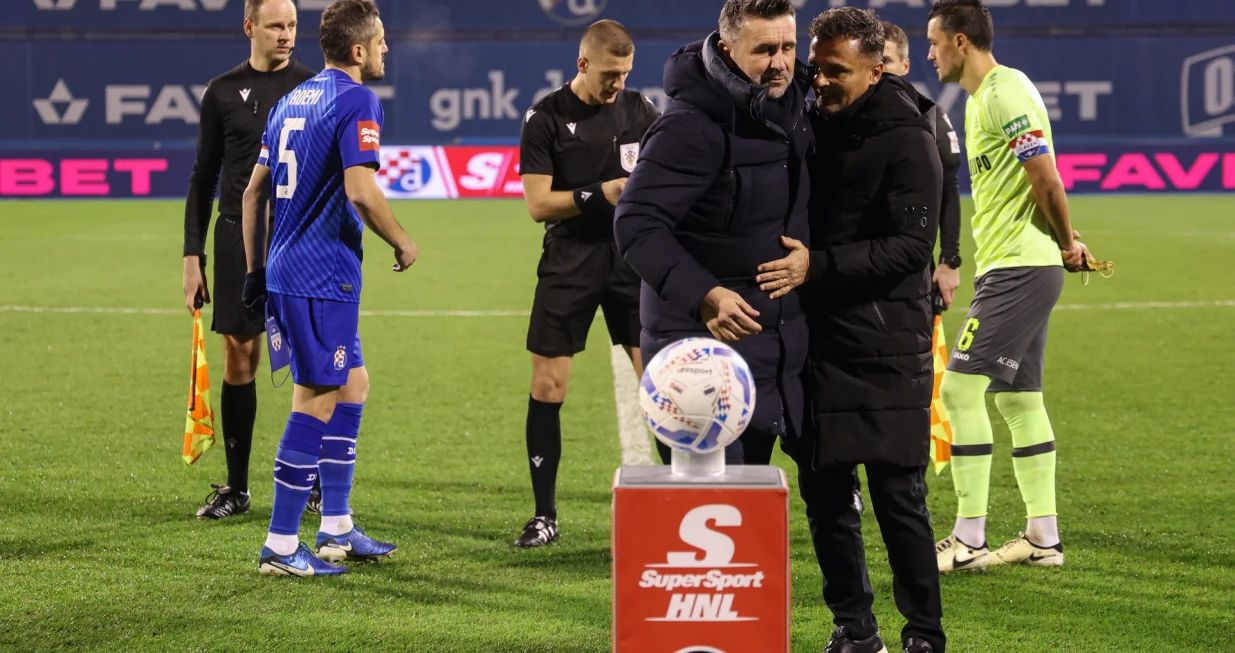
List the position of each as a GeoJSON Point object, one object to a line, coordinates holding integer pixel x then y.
{"type": "Point", "coordinates": [288, 157]}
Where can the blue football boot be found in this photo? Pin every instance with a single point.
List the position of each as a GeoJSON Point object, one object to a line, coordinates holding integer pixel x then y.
{"type": "Point", "coordinates": [351, 546]}
{"type": "Point", "coordinates": [300, 563]}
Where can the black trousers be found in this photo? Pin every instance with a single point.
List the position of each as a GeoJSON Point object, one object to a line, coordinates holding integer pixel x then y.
{"type": "Point", "coordinates": [898, 497]}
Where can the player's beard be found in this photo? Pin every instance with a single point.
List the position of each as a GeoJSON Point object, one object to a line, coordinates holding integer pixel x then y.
{"type": "Point", "coordinates": [374, 71]}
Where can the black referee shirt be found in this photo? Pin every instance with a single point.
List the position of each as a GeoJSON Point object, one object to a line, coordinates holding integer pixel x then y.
{"type": "Point", "coordinates": [233, 117]}
{"type": "Point", "coordinates": [580, 144]}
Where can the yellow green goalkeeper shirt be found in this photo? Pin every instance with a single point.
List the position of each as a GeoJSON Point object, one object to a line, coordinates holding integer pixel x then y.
{"type": "Point", "coordinates": [1006, 124]}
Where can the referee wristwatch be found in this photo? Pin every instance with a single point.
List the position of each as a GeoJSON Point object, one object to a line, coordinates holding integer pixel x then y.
{"type": "Point", "coordinates": [953, 261]}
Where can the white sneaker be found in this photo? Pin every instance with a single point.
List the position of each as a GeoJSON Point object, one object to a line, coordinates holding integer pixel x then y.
{"type": "Point", "coordinates": [1021, 550]}
{"type": "Point", "coordinates": [954, 555]}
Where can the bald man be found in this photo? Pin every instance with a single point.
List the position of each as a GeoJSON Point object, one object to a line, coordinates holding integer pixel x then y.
{"type": "Point", "coordinates": [579, 145]}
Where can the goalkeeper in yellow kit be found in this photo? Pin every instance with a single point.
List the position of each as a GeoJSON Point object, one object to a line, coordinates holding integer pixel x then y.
{"type": "Point", "coordinates": [1024, 241]}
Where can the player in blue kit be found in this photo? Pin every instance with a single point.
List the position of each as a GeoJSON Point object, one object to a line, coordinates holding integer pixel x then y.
{"type": "Point", "coordinates": [321, 154]}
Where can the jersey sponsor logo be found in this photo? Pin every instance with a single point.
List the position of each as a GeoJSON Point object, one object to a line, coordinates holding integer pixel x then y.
{"type": "Point", "coordinates": [244, 94]}
{"type": "Point", "coordinates": [630, 156]}
{"type": "Point", "coordinates": [571, 127]}
{"type": "Point", "coordinates": [1016, 127]}
{"type": "Point", "coordinates": [1028, 145]}
{"type": "Point", "coordinates": [370, 136]}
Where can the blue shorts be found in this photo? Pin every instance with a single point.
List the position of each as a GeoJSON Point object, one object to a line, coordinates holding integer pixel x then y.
{"type": "Point", "coordinates": [322, 335]}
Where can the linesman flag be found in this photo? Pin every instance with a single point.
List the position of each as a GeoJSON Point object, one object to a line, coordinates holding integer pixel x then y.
{"type": "Point", "coordinates": [199, 423]}
{"type": "Point", "coordinates": [941, 428]}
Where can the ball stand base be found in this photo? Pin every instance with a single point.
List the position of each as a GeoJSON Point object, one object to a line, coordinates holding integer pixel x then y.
{"type": "Point", "coordinates": [698, 465]}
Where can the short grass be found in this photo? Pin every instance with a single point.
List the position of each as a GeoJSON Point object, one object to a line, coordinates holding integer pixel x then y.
{"type": "Point", "coordinates": [99, 549]}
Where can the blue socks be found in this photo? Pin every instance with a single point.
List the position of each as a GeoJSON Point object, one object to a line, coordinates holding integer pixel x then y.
{"type": "Point", "coordinates": [295, 469]}
{"type": "Point", "coordinates": [338, 459]}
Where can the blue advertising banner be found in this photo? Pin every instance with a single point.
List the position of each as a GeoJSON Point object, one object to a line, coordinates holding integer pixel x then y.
{"type": "Point", "coordinates": [423, 172]}
{"type": "Point", "coordinates": [95, 173]}
{"type": "Point", "coordinates": [456, 91]}
{"type": "Point", "coordinates": [505, 15]}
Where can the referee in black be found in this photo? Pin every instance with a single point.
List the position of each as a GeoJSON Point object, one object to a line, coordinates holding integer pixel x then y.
{"type": "Point", "coordinates": [579, 144]}
{"type": "Point", "coordinates": [233, 117]}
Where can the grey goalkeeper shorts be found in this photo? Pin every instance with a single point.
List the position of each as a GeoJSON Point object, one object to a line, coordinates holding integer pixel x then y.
{"type": "Point", "coordinates": [1004, 334]}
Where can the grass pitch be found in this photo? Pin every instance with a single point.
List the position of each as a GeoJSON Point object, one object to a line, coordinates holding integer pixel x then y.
{"type": "Point", "coordinates": [99, 549]}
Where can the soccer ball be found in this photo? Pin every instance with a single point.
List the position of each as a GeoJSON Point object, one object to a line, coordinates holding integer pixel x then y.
{"type": "Point", "coordinates": [697, 395]}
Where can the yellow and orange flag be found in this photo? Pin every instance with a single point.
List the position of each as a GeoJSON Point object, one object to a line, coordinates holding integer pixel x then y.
{"type": "Point", "coordinates": [199, 424]}
{"type": "Point", "coordinates": [941, 428]}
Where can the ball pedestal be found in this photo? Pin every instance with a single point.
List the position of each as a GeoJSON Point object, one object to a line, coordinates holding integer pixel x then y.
{"type": "Point", "coordinates": [700, 557]}
{"type": "Point", "coordinates": [688, 465]}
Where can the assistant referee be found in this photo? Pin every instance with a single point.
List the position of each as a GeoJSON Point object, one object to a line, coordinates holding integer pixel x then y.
{"type": "Point", "coordinates": [578, 146]}
{"type": "Point", "coordinates": [233, 115]}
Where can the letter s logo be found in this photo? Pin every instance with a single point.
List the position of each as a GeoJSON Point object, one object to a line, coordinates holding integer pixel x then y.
{"type": "Point", "coordinates": [717, 547]}
{"type": "Point", "coordinates": [482, 171]}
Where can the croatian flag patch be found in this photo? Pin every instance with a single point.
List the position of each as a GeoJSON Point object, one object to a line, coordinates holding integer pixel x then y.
{"type": "Point", "coordinates": [263, 158]}
{"type": "Point", "coordinates": [1028, 145]}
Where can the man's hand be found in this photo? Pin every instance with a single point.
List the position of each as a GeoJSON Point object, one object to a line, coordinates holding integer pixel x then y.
{"type": "Point", "coordinates": [1074, 257]}
{"type": "Point", "coordinates": [728, 316]}
{"type": "Point", "coordinates": [613, 189]}
{"type": "Point", "coordinates": [947, 279]}
{"type": "Point", "coordinates": [194, 284]}
{"type": "Point", "coordinates": [405, 255]}
{"type": "Point", "coordinates": [254, 293]}
{"type": "Point", "coordinates": [787, 273]}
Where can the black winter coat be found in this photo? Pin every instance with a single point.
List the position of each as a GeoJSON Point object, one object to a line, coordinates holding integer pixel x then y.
{"type": "Point", "coordinates": [721, 177]}
{"type": "Point", "coordinates": [875, 192]}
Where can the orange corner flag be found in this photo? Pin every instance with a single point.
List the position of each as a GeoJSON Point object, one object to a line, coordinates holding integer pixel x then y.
{"type": "Point", "coordinates": [941, 428]}
{"type": "Point", "coordinates": [199, 424]}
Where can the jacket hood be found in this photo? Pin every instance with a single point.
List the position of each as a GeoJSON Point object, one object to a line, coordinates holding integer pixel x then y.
{"type": "Point", "coordinates": [891, 103]}
{"type": "Point", "coordinates": [696, 74]}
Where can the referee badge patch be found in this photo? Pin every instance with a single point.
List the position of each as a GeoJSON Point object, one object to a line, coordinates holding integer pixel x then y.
{"type": "Point", "coordinates": [630, 156]}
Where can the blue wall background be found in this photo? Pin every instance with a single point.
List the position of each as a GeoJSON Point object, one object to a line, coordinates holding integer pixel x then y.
{"type": "Point", "coordinates": [466, 70]}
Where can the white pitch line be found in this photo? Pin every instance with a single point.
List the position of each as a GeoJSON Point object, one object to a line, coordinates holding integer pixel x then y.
{"type": "Point", "coordinates": [103, 310]}
{"type": "Point", "coordinates": [106, 310]}
{"type": "Point", "coordinates": [636, 449]}
{"type": "Point", "coordinates": [1144, 305]}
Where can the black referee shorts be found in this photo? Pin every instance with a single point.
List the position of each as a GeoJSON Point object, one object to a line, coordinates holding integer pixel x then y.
{"type": "Point", "coordinates": [230, 317]}
{"type": "Point", "coordinates": [575, 278]}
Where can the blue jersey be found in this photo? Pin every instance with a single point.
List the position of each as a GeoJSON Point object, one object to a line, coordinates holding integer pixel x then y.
{"type": "Point", "coordinates": [326, 125]}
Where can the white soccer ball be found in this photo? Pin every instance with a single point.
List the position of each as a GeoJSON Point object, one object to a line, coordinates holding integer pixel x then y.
{"type": "Point", "coordinates": [697, 395]}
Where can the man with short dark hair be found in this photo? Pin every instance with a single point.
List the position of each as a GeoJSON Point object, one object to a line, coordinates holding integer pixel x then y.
{"type": "Point", "coordinates": [320, 152]}
{"type": "Point", "coordinates": [875, 187]}
{"type": "Point", "coordinates": [1024, 242]}
{"type": "Point", "coordinates": [233, 114]}
{"type": "Point", "coordinates": [579, 145]}
{"type": "Point", "coordinates": [722, 186]}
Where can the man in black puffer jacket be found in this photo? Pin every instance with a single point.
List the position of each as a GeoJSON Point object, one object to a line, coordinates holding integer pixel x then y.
{"type": "Point", "coordinates": [721, 186]}
{"type": "Point", "coordinates": [876, 181]}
